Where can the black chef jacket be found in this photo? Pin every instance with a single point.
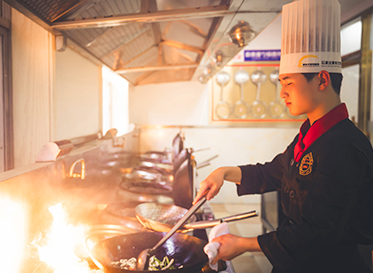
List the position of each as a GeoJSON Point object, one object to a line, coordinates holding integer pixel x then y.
{"type": "Point", "coordinates": [327, 197]}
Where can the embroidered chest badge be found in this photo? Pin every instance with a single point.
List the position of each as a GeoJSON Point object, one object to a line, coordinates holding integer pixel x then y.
{"type": "Point", "coordinates": [305, 167]}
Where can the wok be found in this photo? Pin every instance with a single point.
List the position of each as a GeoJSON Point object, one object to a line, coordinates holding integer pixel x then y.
{"type": "Point", "coordinates": [121, 213]}
{"type": "Point", "coordinates": [145, 186]}
{"type": "Point", "coordinates": [149, 174]}
{"type": "Point", "coordinates": [162, 217]}
{"type": "Point", "coordinates": [156, 156]}
{"type": "Point", "coordinates": [184, 249]}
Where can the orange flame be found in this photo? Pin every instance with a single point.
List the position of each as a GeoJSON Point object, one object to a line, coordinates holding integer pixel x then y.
{"type": "Point", "coordinates": [62, 241]}
{"type": "Point", "coordinates": [13, 227]}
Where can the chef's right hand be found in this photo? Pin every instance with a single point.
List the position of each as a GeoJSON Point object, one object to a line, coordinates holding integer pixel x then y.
{"type": "Point", "coordinates": [211, 185]}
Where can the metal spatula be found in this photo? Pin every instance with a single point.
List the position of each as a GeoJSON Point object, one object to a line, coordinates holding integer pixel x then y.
{"type": "Point", "coordinates": [146, 253]}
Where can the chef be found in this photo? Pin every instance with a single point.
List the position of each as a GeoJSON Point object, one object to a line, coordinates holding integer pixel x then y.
{"type": "Point", "coordinates": [325, 175]}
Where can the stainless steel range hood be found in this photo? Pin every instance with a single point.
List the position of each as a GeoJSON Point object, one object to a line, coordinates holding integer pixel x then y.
{"type": "Point", "coordinates": [155, 41]}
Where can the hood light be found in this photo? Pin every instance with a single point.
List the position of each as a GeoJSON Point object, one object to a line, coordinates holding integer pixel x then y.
{"type": "Point", "coordinates": [218, 59]}
{"type": "Point", "coordinates": [241, 34]}
{"type": "Point", "coordinates": [207, 73]}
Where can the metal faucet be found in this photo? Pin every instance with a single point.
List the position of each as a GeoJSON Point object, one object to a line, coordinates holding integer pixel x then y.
{"type": "Point", "coordinates": [82, 171]}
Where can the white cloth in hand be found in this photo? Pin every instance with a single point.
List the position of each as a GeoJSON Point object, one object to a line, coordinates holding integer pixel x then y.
{"type": "Point", "coordinates": [211, 249]}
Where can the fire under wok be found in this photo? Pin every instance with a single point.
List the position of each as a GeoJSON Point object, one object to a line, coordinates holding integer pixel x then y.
{"type": "Point", "coordinates": [187, 251]}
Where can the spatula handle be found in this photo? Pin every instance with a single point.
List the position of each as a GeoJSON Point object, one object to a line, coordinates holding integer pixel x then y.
{"type": "Point", "coordinates": [212, 223]}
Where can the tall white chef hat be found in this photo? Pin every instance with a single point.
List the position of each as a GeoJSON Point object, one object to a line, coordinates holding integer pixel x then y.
{"type": "Point", "coordinates": [310, 38]}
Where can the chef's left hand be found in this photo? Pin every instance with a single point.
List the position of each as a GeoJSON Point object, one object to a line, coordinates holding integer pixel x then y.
{"type": "Point", "coordinates": [233, 246]}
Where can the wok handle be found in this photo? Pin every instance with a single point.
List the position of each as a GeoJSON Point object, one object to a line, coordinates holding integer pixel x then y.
{"type": "Point", "coordinates": [201, 165]}
{"type": "Point", "coordinates": [200, 149]}
{"type": "Point", "coordinates": [206, 162]}
{"type": "Point", "coordinates": [212, 223]}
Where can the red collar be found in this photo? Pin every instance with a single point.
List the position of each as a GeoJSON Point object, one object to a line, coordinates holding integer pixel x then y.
{"type": "Point", "coordinates": [309, 134]}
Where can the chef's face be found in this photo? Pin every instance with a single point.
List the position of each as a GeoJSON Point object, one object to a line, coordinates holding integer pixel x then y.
{"type": "Point", "coordinates": [300, 96]}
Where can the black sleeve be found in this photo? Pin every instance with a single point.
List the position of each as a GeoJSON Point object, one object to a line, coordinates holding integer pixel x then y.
{"type": "Point", "coordinates": [261, 178]}
{"type": "Point", "coordinates": [327, 213]}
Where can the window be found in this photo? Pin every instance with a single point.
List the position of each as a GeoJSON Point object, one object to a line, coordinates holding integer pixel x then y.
{"type": "Point", "coordinates": [115, 102]}
{"type": "Point", "coordinates": [351, 37]}
{"type": "Point", "coordinates": [351, 56]}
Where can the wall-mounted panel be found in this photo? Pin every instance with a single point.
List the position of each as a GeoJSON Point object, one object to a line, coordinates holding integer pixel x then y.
{"type": "Point", "coordinates": [32, 60]}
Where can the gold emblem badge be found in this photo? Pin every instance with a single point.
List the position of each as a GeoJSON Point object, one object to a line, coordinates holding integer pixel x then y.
{"type": "Point", "coordinates": [305, 167]}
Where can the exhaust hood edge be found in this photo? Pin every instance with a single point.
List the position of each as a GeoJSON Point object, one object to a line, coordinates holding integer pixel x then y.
{"type": "Point", "coordinates": [229, 13]}
{"type": "Point", "coordinates": [208, 67]}
{"type": "Point", "coordinates": [223, 45]}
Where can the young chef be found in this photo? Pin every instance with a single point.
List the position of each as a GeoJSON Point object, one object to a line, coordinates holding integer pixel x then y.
{"type": "Point", "coordinates": [325, 175]}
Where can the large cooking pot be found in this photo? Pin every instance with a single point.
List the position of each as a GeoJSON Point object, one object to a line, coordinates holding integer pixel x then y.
{"type": "Point", "coordinates": [187, 251]}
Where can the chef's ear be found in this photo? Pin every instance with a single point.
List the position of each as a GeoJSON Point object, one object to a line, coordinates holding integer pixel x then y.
{"type": "Point", "coordinates": [324, 79]}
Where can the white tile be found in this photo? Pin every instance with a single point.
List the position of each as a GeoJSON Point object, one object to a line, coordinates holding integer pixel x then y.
{"type": "Point", "coordinates": [218, 207]}
{"type": "Point", "coordinates": [251, 230]}
{"type": "Point", "coordinates": [263, 262]}
{"type": "Point", "coordinates": [220, 214]}
{"type": "Point", "coordinates": [238, 208]}
{"type": "Point", "coordinates": [245, 263]}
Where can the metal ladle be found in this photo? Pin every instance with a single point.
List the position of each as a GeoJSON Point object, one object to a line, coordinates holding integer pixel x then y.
{"type": "Point", "coordinates": [258, 108]}
{"type": "Point", "coordinates": [241, 108]}
{"type": "Point", "coordinates": [223, 109]}
{"type": "Point", "coordinates": [143, 256]}
{"type": "Point", "coordinates": [276, 108]}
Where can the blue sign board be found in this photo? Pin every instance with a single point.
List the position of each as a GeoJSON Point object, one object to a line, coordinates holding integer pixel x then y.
{"type": "Point", "coordinates": [262, 55]}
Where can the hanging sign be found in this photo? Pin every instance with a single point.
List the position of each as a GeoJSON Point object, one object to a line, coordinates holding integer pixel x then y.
{"type": "Point", "coordinates": [262, 55]}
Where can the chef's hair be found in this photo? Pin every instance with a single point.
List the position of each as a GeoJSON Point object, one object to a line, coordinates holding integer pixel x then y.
{"type": "Point", "coordinates": [335, 78]}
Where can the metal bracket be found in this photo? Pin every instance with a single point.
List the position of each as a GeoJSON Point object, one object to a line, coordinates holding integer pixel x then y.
{"type": "Point", "coordinates": [61, 43]}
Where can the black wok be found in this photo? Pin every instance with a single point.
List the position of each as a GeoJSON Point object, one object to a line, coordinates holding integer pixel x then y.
{"type": "Point", "coordinates": [184, 249]}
